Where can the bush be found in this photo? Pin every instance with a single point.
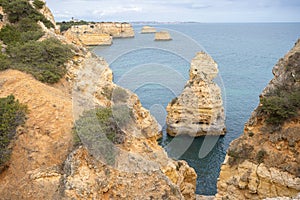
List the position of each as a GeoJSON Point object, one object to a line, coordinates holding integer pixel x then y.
{"type": "Point", "coordinates": [119, 95]}
{"type": "Point", "coordinates": [64, 26]}
{"type": "Point", "coordinates": [239, 154]}
{"type": "Point", "coordinates": [44, 60]}
{"type": "Point", "coordinates": [20, 9]}
{"type": "Point", "coordinates": [5, 62]}
{"type": "Point", "coordinates": [261, 156]}
{"type": "Point", "coordinates": [12, 115]}
{"type": "Point", "coordinates": [38, 4]}
{"type": "Point", "coordinates": [10, 35]}
{"type": "Point", "coordinates": [99, 131]}
{"type": "Point", "coordinates": [280, 108]}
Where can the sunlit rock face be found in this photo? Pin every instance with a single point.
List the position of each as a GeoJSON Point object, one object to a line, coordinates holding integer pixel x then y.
{"type": "Point", "coordinates": [264, 162]}
{"type": "Point", "coordinates": [198, 110]}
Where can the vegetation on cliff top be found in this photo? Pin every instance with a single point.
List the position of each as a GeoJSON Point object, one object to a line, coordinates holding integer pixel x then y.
{"type": "Point", "coordinates": [66, 25]}
{"type": "Point", "coordinates": [99, 129]}
{"type": "Point", "coordinates": [280, 107]}
{"type": "Point", "coordinates": [20, 9]}
{"type": "Point", "coordinates": [43, 59]}
{"type": "Point", "coordinates": [12, 115]}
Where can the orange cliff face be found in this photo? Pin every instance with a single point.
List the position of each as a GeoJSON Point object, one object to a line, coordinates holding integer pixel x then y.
{"type": "Point", "coordinates": [45, 164]}
{"type": "Point", "coordinates": [265, 161]}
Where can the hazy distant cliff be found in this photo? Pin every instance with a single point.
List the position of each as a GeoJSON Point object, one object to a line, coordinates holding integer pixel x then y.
{"type": "Point", "coordinates": [265, 161]}
{"type": "Point", "coordinates": [99, 33]}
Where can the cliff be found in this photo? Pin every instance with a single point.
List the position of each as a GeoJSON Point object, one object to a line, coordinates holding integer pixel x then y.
{"type": "Point", "coordinates": [148, 29]}
{"type": "Point", "coordinates": [264, 162]}
{"type": "Point", "coordinates": [54, 156]}
{"type": "Point", "coordinates": [99, 33]}
{"type": "Point", "coordinates": [198, 110]}
{"type": "Point", "coordinates": [162, 36]}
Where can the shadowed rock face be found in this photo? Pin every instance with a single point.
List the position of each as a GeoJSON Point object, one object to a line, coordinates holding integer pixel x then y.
{"type": "Point", "coordinates": [264, 162]}
{"type": "Point", "coordinates": [198, 110]}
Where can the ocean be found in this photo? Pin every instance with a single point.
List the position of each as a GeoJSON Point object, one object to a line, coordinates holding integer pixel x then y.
{"type": "Point", "coordinates": [157, 72]}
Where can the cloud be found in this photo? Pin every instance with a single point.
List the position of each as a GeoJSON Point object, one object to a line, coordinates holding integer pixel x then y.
{"type": "Point", "coordinates": [177, 10]}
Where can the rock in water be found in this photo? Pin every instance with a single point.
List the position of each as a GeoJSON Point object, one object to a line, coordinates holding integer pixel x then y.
{"type": "Point", "coordinates": [148, 29]}
{"type": "Point", "coordinates": [162, 36]}
{"type": "Point", "coordinates": [198, 110]}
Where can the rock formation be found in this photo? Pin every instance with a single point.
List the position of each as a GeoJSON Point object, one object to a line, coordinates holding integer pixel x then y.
{"type": "Point", "coordinates": [264, 162]}
{"type": "Point", "coordinates": [198, 110]}
{"type": "Point", "coordinates": [148, 29]}
{"type": "Point", "coordinates": [45, 162]}
{"type": "Point", "coordinates": [162, 36]}
{"type": "Point", "coordinates": [99, 33]}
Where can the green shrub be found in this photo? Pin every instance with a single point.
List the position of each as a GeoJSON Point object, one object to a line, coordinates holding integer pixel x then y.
{"type": "Point", "coordinates": [5, 62]}
{"type": "Point", "coordinates": [119, 95]}
{"type": "Point", "coordinates": [239, 154]}
{"type": "Point", "coordinates": [261, 156]}
{"type": "Point", "coordinates": [44, 60]}
{"type": "Point", "coordinates": [280, 108]}
{"type": "Point", "coordinates": [38, 4]}
{"type": "Point", "coordinates": [12, 115]}
{"type": "Point", "coordinates": [99, 131]}
{"type": "Point", "coordinates": [66, 25]}
{"type": "Point", "coordinates": [20, 9]}
{"type": "Point", "coordinates": [10, 35]}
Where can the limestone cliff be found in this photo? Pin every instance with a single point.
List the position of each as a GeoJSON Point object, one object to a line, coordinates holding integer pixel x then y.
{"type": "Point", "coordinates": [162, 36]}
{"type": "Point", "coordinates": [148, 29]}
{"type": "Point", "coordinates": [45, 164]}
{"type": "Point", "coordinates": [198, 110]}
{"type": "Point", "coordinates": [99, 33]}
{"type": "Point", "coordinates": [264, 162]}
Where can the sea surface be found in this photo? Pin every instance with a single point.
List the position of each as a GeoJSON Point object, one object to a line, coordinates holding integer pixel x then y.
{"type": "Point", "coordinates": [158, 71]}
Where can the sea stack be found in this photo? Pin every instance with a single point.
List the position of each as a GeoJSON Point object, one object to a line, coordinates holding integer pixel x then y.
{"type": "Point", "coordinates": [198, 110]}
{"type": "Point", "coordinates": [148, 29]}
{"type": "Point", "coordinates": [162, 36]}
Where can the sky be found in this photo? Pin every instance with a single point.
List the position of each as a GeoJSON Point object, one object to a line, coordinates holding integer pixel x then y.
{"type": "Point", "coordinates": [177, 10]}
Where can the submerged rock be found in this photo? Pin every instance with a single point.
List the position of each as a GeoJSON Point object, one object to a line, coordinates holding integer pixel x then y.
{"type": "Point", "coordinates": [148, 29]}
{"type": "Point", "coordinates": [162, 36]}
{"type": "Point", "coordinates": [198, 110]}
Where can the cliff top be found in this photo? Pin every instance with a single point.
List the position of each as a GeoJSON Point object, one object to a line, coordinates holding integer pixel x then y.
{"type": "Point", "coordinates": [203, 64]}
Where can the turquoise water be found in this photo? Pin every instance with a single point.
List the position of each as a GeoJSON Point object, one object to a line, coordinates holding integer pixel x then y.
{"type": "Point", "coordinates": [157, 72]}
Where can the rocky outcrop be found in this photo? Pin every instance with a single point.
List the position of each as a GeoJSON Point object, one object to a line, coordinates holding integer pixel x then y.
{"type": "Point", "coordinates": [3, 18]}
{"type": "Point", "coordinates": [264, 162]}
{"type": "Point", "coordinates": [45, 164]}
{"type": "Point", "coordinates": [162, 36]}
{"type": "Point", "coordinates": [99, 33]}
{"type": "Point", "coordinates": [148, 29]}
{"type": "Point", "coordinates": [198, 110]}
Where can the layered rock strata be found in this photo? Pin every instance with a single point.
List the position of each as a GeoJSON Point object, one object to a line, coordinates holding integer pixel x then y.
{"type": "Point", "coordinates": [148, 29]}
{"type": "Point", "coordinates": [162, 36]}
{"type": "Point", "coordinates": [99, 33]}
{"type": "Point", "coordinates": [264, 162]}
{"type": "Point", "coordinates": [198, 110]}
{"type": "Point", "coordinates": [45, 162]}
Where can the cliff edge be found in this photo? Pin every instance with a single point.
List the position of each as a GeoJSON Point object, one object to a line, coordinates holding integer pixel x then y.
{"type": "Point", "coordinates": [264, 162]}
{"type": "Point", "coordinates": [59, 153]}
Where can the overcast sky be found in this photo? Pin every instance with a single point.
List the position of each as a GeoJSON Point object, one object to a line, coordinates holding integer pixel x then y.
{"type": "Point", "coordinates": [178, 10]}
